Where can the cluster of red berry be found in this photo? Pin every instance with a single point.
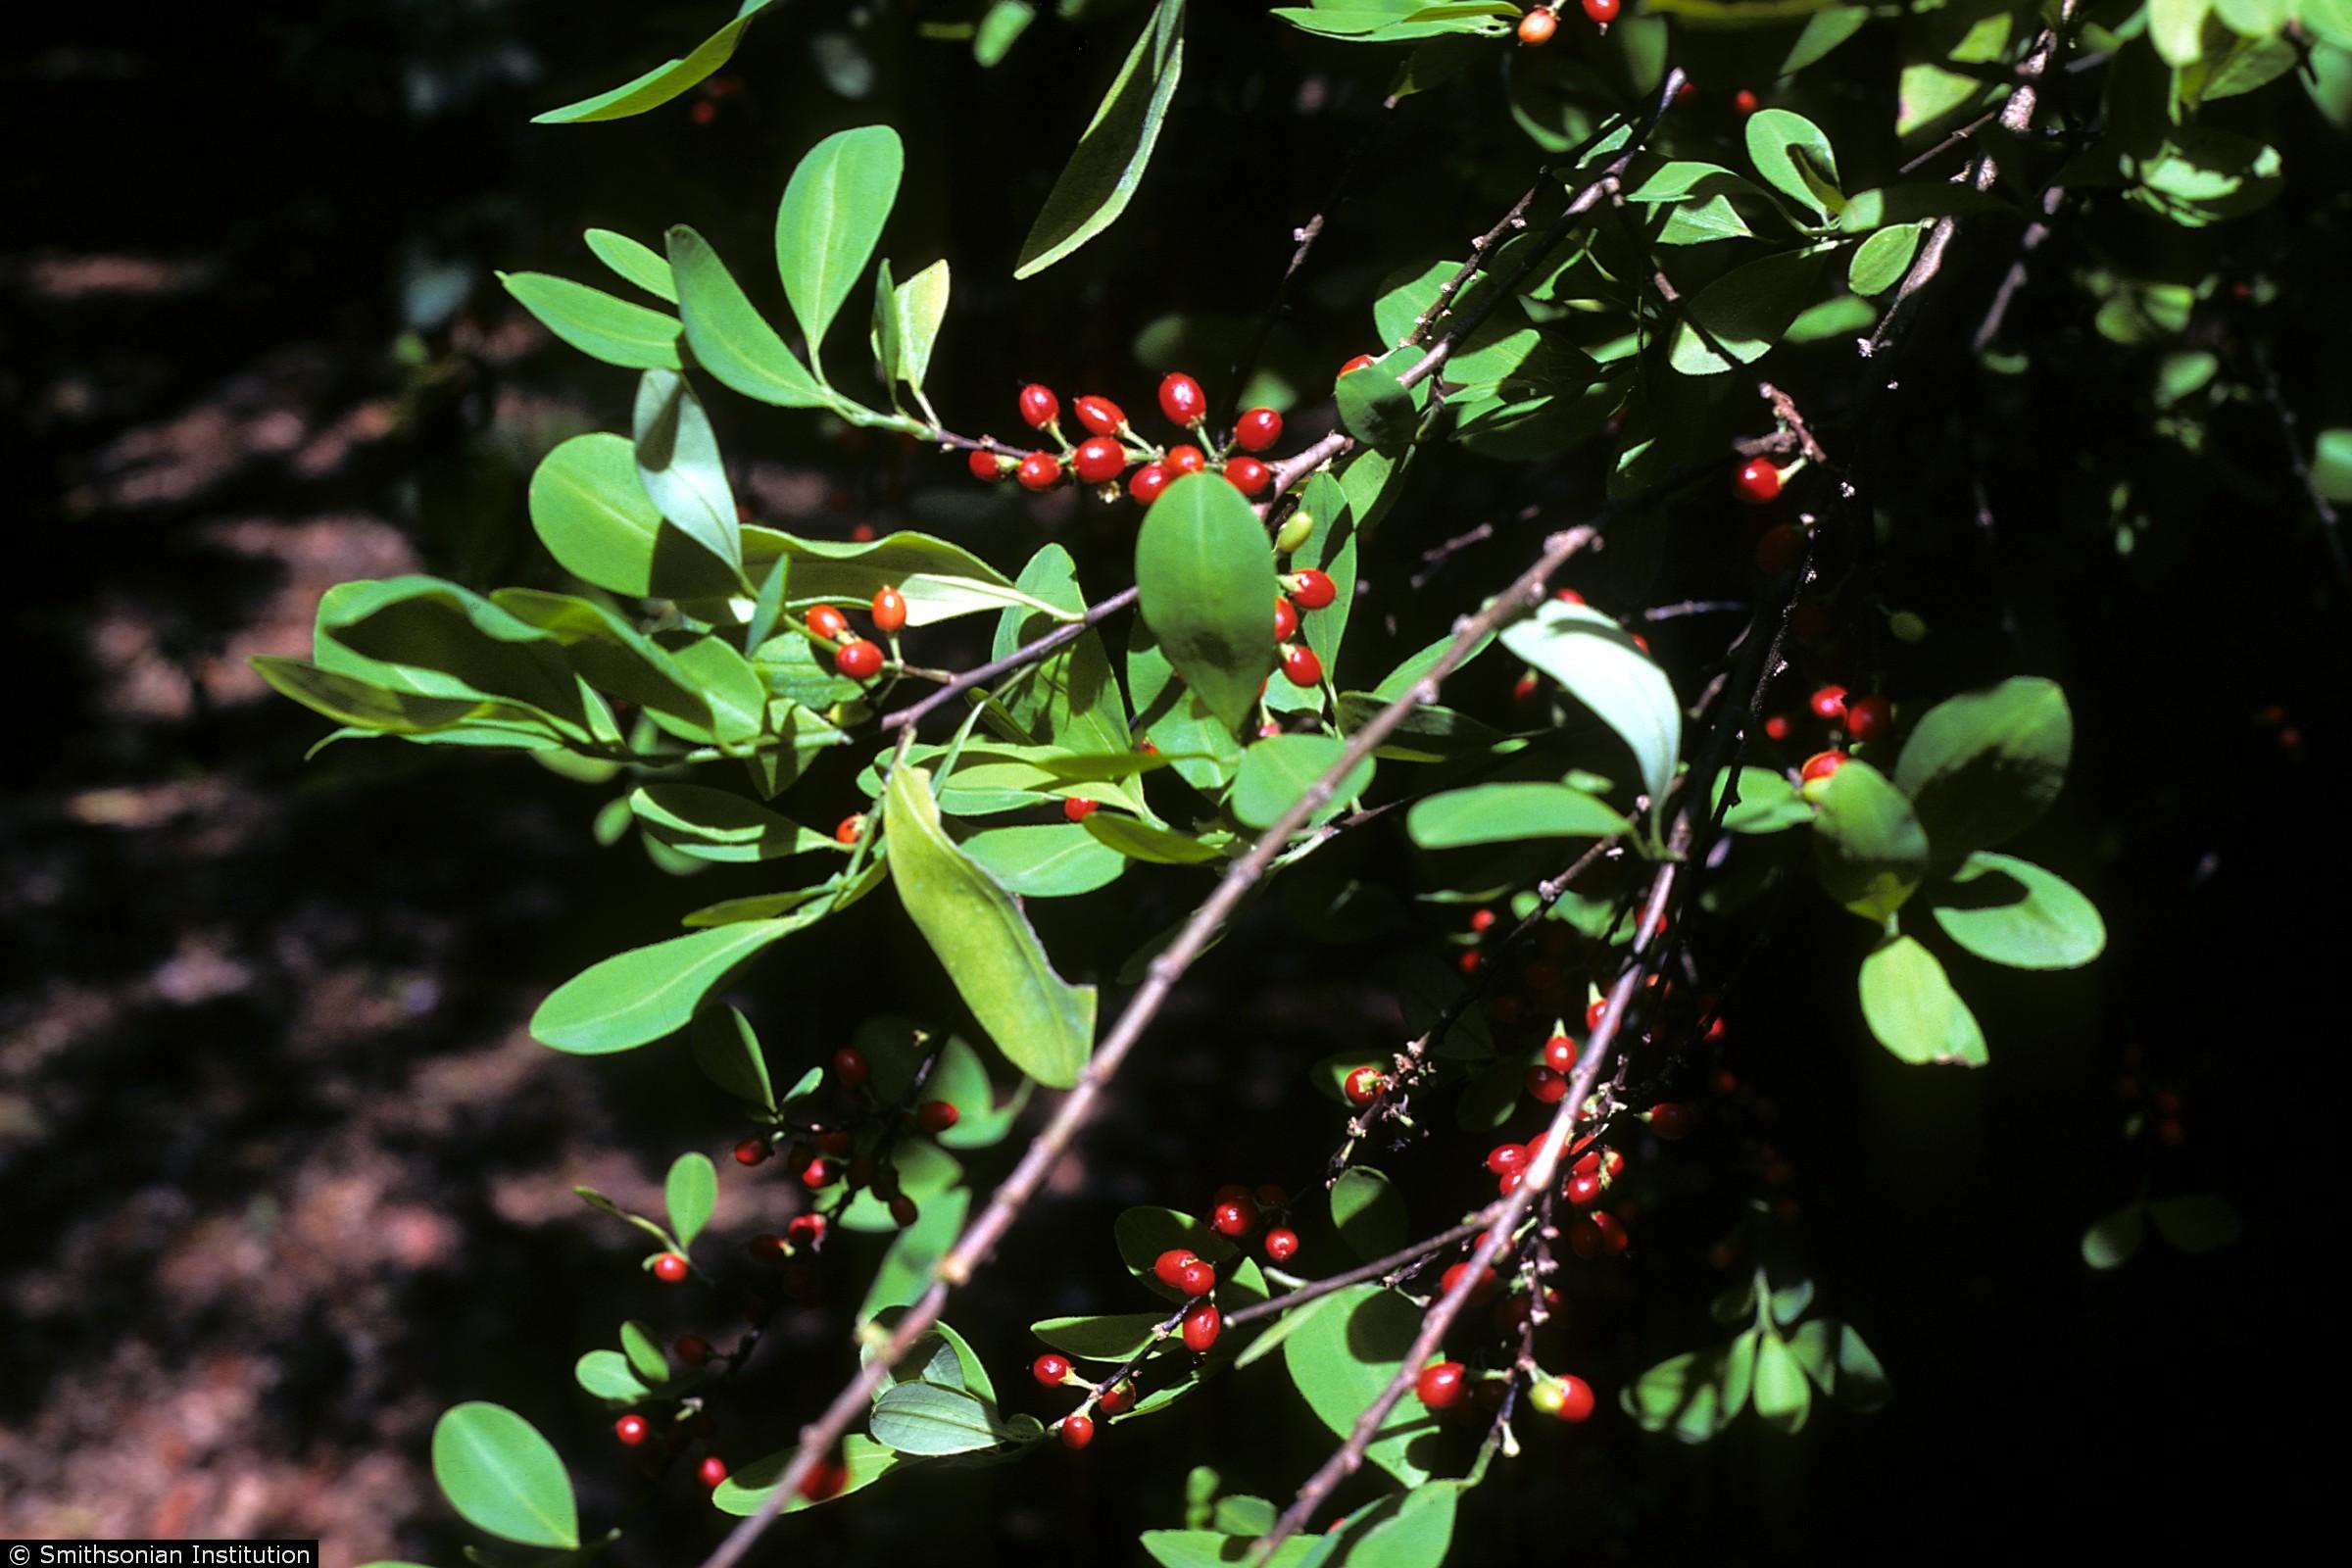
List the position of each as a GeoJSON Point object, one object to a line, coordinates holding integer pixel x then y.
{"type": "Point", "coordinates": [1110, 445]}
{"type": "Point", "coordinates": [1541, 22]}
{"type": "Point", "coordinates": [858, 657]}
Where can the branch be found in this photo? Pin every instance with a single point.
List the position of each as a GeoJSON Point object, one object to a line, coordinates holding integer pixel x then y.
{"type": "Point", "coordinates": [1276, 1305]}
{"type": "Point", "coordinates": [1005, 1205]}
{"type": "Point", "coordinates": [1028, 653]}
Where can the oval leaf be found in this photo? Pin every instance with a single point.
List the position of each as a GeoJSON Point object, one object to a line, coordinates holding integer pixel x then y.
{"type": "Point", "coordinates": [660, 84]}
{"type": "Point", "coordinates": [2012, 911]}
{"type": "Point", "coordinates": [503, 1477]}
{"type": "Point", "coordinates": [1981, 767]}
{"type": "Point", "coordinates": [596, 323]}
{"type": "Point", "coordinates": [1603, 669]}
{"type": "Point", "coordinates": [1278, 770]}
{"type": "Point", "coordinates": [690, 1193]}
{"type": "Point", "coordinates": [729, 338]}
{"type": "Point", "coordinates": [645, 993]}
{"type": "Point", "coordinates": [832, 214]}
{"type": "Point", "coordinates": [679, 466]}
{"type": "Point", "coordinates": [1205, 573]}
{"type": "Point", "coordinates": [1101, 176]}
{"type": "Point", "coordinates": [1500, 813]}
{"type": "Point", "coordinates": [1868, 848]}
{"type": "Point", "coordinates": [926, 1419]}
{"type": "Point", "coordinates": [1913, 1009]}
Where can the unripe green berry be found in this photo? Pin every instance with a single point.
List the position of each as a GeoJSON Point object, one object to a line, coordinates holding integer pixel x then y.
{"type": "Point", "coordinates": [1294, 533]}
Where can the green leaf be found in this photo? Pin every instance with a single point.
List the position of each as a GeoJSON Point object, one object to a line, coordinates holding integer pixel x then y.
{"type": "Point", "coordinates": [2007, 911]}
{"type": "Point", "coordinates": [920, 305]}
{"type": "Point", "coordinates": [679, 466]}
{"type": "Point", "coordinates": [606, 1375]}
{"type": "Point", "coordinates": [1100, 1338]}
{"type": "Point", "coordinates": [690, 1193]}
{"type": "Point", "coordinates": [1981, 767]}
{"type": "Point", "coordinates": [832, 215]}
{"type": "Point", "coordinates": [1050, 861]}
{"type": "Point", "coordinates": [1368, 1213]}
{"type": "Point", "coordinates": [1206, 572]}
{"type": "Point", "coordinates": [720, 825]}
{"type": "Point", "coordinates": [1070, 697]}
{"type": "Point", "coordinates": [728, 1051]}
{"type": "Point", "coordinates": [961, 1080]}
{"type": "Point", "coordinates": [1795, 158]}
{"type": "Point", "coordinates": [906, 1270]}
{"type": "Point", "coordinates": [1508, 812]}
{"type": "Point", "coordinates": [1376, 408]}
{"type": "Point", "coordinates": [1197, 745]}
{"type": "Point", "coordinates": [1101, 175]}
{"type": "Point", "coordinates": [596, 519]}
{"type": "Point", "coordinates": [643, 1353]}
{"type": "Point", "coordinates": [1880, 262]}
{"type": "Point", "coordinates": [1783, 1396]}
{"type": "Point", "coordinates": [1155, 846]}
{"type": "Point", "coordinates": [634, 261]}
{"type": "Point", "coordinates": [2197, 1222]}
{"type": "Point", "coordinates": [744, 1491]}
{"type": "Point", "coordinates": [1737, 320]}
{"type": "Point", "coordinates": [1835, 1357]}
{"type": "Point", "coordinates": [1601, 667]}
{"type": "Point", "coordinates": [1342, 1357]}
{"type": "Point", "coordinates": [660, 84]}
{"type": "Point", "coordinates": [1044, 1026]}
{"type": "Point", "coordinates": [1331, 546]}
{"type": "Point", "coordinates": [348, 700]}
{"type": "Point", "coordinates": [1868, 847]}
{"type": "Point", "coordinates": [434, 639]}
{"type": "Point", "coordinates": [923, 1418]}
{"type": "Point", "coordinates": [729, 338]}
{"type": "Point", "coordinates": [1276, 772]}
{"type": "Point", "coordinates": [1911, 1006]}
{"type": "Point", "coordinates": [939, 579]}
{"type": "Point", "coordinates": [645, 993]}
{"type": "Point", "coordinates": [1768, 803]}
{"type": "Point", "coordinates": [2113, 1239]}
{"type": "Point", "coordinates": [2177, 29]}
{"type": "Point", "coordinates": [1690, 1394]}
{"type": "Point", "coordinates": [503, 1477]}
{"type": "Point", "coordinates": [596, 323]}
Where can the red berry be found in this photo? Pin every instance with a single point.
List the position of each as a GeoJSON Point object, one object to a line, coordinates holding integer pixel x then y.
{"type": "Point", "coordinates": [694, 1350]}
{"type": "Point", "coordinates": [1286, 619]}
{"type": "Point", "coordinates": [1441, 1387]}
{"type": "Point", "coordinates": [1602, 12]}
{"type": "Point", "coordinates": [1050, 1369]}
{"type": "Point", "coordinates": [1584, 1190]}
{"type": "Point", "coordinates": [849, 829]}
{"type": "Point", "coordinates": [1100, 414]}
{"type": "Point", "coordinates": [1039, 406]}
{"type": "Point", "coordinates": [669, 1268]}
{"type": "Point", "coordinates": [936, 1115]}
{"type": "Point", "coordinates": [1187, 458]}
{"type": "Point", "coordinates": [1077, 809]}
{"type": "Point", "coordinates": [1300, 666]}
{"type": "Point", "coordinates": [1478, 1292]}
{"type": "Point", "coordinates": [1282, 1244]}
{"type": "Point", "coordinates": [1482, 920]}
{"type": "Point", "coordinates": [1077, 1431]}
{"type": "Point", "coordinates": [1778, 727]}
{"type": "Point", "coordinates": [1594, 1010]}
{"type": "Point", "coordinates": [1258, 430]}
{"type": "Point", "coordinates": [1537, 28]}
{"type": "Point", "coordinates": [1869, 718]}
{"type": "Point", "coordinates": [1559, 1052]}
{"type": "Point", "coordinates": [902, 1211]}
{"type": "Point", "coordinates": [1099, 459]}
{"type": "Point", "coordinates": [1756, 481]}
{"type": "Point", "coordinates": [1117, 1400]}
{"type": "Point", "coordinates": [1312, 589]}
{"type": "Point", "coordinates": [1248, 474]}
{"type": "Point", "coordinates": [1170, 1265]}
{"type": "Point", "coordinates": [827, 622]}
{"type": "Point", "coordinates": [889, 610]}
{"type": "Point", "coordinates": [631, 1430]}
{"type": "Point", "coordinates": [1362, 360]}
{"type": "Point", "coordinates": [1234, 1219]}
{"type": "Point", "coordinates": [1828, 704]}
{"type": "Point", "coordinates": [752, 1151]}
{"type": "Point", "coordinates": [1568, 1399]}
{"type": "Point", "coordinates": [985, 468]}
{"type": "Point", "coordinates": [1744, 102]}
{"type": "Point", "coordinates": [1505, 1158]}
{"type": "Point", "coordinates": [1779, 550]}
{"type": "Point", "coordinates": [819, 1174]}
{"type": "Point", "coordinates": [824, 1479]}
{"type": "Point", "coordinates": [858, 659]}
{"type": "Point", "coordinates": [1509, 1182]}
{"type": "Point", "coordinates": [1596, 1235]}
{"type": "Point", "coordinates": [1180, 399]}
{"type": "Point", "coordinates": [1600, 1161]}
{"type": "Point", "coordinates": [805, 1230]}
{"type": "Point", "coordinates": [1148, 481]}
{"type": "Point", "coordinates": [1670, 1121]}
{"type": "Point", "coordinates": [710, 1472]}
{"type": "Point", "coordinates": [1202, 1326]}
{"type": "Point", "coordinates": [1545, 1087]}
{"type": "Point", "coordinates": [1039, 470]}
{"type": "Point", "coordinates": [1197, 1277]}
{"type": "Point", "coordinates": [1821, 764]}
{"type": "Point", "coordinates": [1364, 1084]}
{"type": "Point", "coordinates": [1686, 92]}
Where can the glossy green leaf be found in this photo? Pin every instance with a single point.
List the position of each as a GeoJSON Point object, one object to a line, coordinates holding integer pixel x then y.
{"type": "Point", "coordinates": [1981, 767]}
{"type": "Point", "coordinates": [1601, 666]}
{"type": "Point", "coordinates": [728, 1052]}
{"type": "Point", "coordinates": [2177, 29]}
{"type": "Point", "coordinates": [1330, 547]}
{"type": "Point", "coordinates": [2012, 911]}
{"type": "Point", "coordinates": [1911, 1006]}
{"type": "Point", "coordinates": [730, 339]}
{"type": "Point", "coordinates": [1795, 158]}
{"type": "Point", "coordinates": [1368, 1212]}
{"type": "Point", "coordinates": [503, 1477]}
{"type": "Point", "coordinates": [434, 639]}
{"type": "Point", "coordinates": [829, 220]}
{"type": "Point", "coordinates": [1837, 1360]}
{"type": "Point", "coordinates": [644, 1352]}
{"type": "Point", "coordinates": [598, 324]}
{"type": "Point", "coordinates": [1069, 698]}
{"type": "Point", "coordinates": [923, 1418]}
{"type": "Point", "coordinates": [1044, 1026]}
{"type": "Point", "coordinates": [1143, 840]}
{"type": "Point", "coordinates": [1880, 262]}
{"type": "Point", "coordinates": [679, 466]}
{"type": "Point", "coordinates": [1177, 719]}
{"type": "Point", "coordinates": [639, 996]}
{"type": "Point", "coordinates": [1375, 408]}
{"type": "Point", "coordinates": [1783, 1396]}
{"type": "Point", "coordinates": [1100, 1338]}
{"type": "Point", "coordinates": [348, 700]}
{"type": "Point", "coordinates": [1737, 318]}
{"type": "Point", "coordinates": [1276, 772]}
{"type": "Point", "coordinates": [1342, 1358]}
{"type": "Point", "coordinates": [720, 825]}
{"type": "Point", "coordinates": [663, 82]}
{"type": "Point", "coordinates": [690, 1193]}
{"type": "Point", "coordinates": [920, 305]}
{"type": "Point", "coordinates": [1509, 812]}
{"type": "Point", "coordinates": [635, 261]}
{"type": "Point", "coordinates": [1205, 573]}
{"type": "Point", "coordinates": [593, 514]}
{"type": "Point", "coordinates": [743, 1492]}
{"type": "Point", "coordinates": [1050, 861]}
{"type": "Point", "coordinates": [1868, 847]}
{"type": "Point", "coordinates": [606, 1374]}
{"type": "Point", "coordinates": [1102, 174]}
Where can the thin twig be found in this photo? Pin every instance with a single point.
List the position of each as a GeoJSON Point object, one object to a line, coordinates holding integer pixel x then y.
{"type": "Point", "coordinates": [1515, 218]}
